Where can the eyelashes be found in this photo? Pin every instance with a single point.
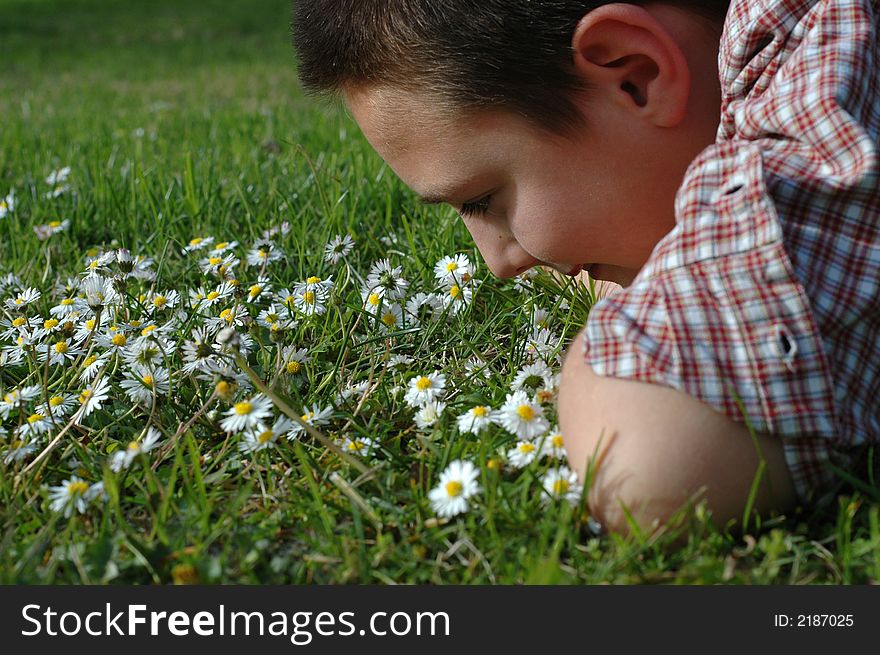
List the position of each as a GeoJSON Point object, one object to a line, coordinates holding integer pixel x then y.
{"type": "Point", "coordinates": [476, 208]}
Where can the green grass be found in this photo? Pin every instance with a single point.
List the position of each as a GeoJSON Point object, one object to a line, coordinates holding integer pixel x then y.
{"type": "Point", "coordinates": [184, 119]}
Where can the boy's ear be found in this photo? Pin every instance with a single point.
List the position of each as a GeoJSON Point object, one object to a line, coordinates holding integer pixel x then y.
{"type": "Point", "coordinates": [624, 50]}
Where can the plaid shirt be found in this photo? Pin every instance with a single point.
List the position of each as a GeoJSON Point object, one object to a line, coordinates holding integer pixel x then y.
{"type": "Point", "coordinates": [767, 290]}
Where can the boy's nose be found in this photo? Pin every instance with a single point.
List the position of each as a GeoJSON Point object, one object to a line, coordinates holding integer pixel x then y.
{"type": "Point", "coordinates": [503, 255]}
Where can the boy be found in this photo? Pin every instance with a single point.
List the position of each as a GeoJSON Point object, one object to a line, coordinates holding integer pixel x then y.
{"type": "Point", "coordinates": [586, 136]}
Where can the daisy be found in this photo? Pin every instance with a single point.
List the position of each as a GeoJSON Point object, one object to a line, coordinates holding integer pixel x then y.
{"type": "Point", "coordinates": [7, 204]}
{"type": "Point", "coordinates": [477, 369]}
{"type": "Point", "coordinates": [58, 352]}
{"type": "Point", "coordinates": [143, 269]}
{"type": "Point", "coordinates": [163, 300]}
{"type": "Point", "coordinates": [310, 303]}
{"type": "Point", "coordinates": [234, 316]}
{"type": "Point", "coordinates": [17, 450]}
{"type": "Point", "coordinates": [429, 413]}
{"type": "Point", "coordinates": [358, 446]}
{"type": "Point", "coordinates": [91, 398]}
{"type": "Point", "coordinates": [391, 317]}
{"type": "Point", "coordinates": [387, 280]}
{"type": "Point", "coordinates": [293, 359]}
{"type": "Point", "coordinates": [523, 454]}
{"type": "Point", "coordinates": [476, 419]}
{"type": "Point", "coordinates": [142, 383]}
{"type": "Point", "coordinates": [23, 299]}
{"type": "Point", "coordinates": [314, 283]}
{"type": "Point", "coordinates": [533, 376]}
{"type": "Point", "coordinates": [399, 362]}
{"type": "Point", "coordinates": [424, 307]}
{"type": "Point", "coordinates": [455, 270]}
{"type": "Point", "coordinates": [372, 301]}
{"type": "Point", "coordinates": [35, 424]}
{"type": "Point", "coordinates": [99, 292]}
{"type": "Point", "coordinates": [424, 388]}
{"type": "Point", "coordinates": [219, 265]}
{"type": "Point", "coordinates": [457, 484]}
{"type": "Point", "coordinates": [275, 230]}
{"type": "Point", "coordinates": [542, 343]}
{"type": "Point", "coordinates": [223, 246]}
{"type": "Point", "coordinates": [263, 253]}
{"type": "Point", "coordinates": [68, 306]}
{"type": "Point", "coordinates": [58, 176]}
{"type": "Point", "coordinates": [258, 288]}
{"type": "Point", "coordinates": [275, 317]}
{"type": "Point", "coordinates": [73, 493]}
{"type": "Point", "coordinates": [314, 416]}
{"type": "Point", "coordinates": [91, 365]}
{"type": "Point", "coordinates": [247, 414]}
{"type": "Point", "coordinates": [351, 391]}
{"type": "Point", "coordinates": [523, 282]}
{"type": "Point", "coordinates": [122, 459]}
{"type": "Point", "coordinates": [99, 264]}
{"type": "Point", "coordinates": [552, 444]}
{"type": "Point", "coordinates": [457, 298]}
{"type": "Point", "coordinates": [521, 416]}
{"type": "Point", "coordinates": [337, 248]}
{"type": "Point", "coordinates": [51, 228]}
{"type": "Point", "coordinates": [197, 243]}
{"type": "Point", "coordinates": [17, 325]}
{"type": "Point", "coordinates": [58, 406]}
{"type": "Point", "coordinates": [200, 353]}
{"type": "Point", "coordinates": [262, 437]}
{"type": "Point", "coordinates": [562, 484]}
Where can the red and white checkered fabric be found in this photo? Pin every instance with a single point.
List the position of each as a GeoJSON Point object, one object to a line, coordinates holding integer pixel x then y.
{"type": "Point", "coordinates": [767, 290]}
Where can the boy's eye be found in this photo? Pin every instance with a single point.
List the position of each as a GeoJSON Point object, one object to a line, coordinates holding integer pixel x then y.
{"type": "Point", "coordinates": [475, 208]}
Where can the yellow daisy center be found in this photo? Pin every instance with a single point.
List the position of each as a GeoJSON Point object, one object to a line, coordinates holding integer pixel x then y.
{"type": "Point", "coordinates": [160, 301]}
{"type": "Point", "coordinates": [423, 383]}
{"type": "Point", "coordinates": [18, 322]}
{"type": "Point", "coordinates": [454, 488]}
{"type": "Point", "coordinates": [374, 299]}
{"type": "Point", "coordinates": [148, 380]}
{"type": "Point", "coordinates": [314, 279]}
{"type": "Point", "coordinates": [54, 401]}
{"type": "Point", "coordinates": [77, 488]}
{"type": "Point", "coordinates": [54, 223]}
{"type": "Point", "coordinates": [146, 331]}
{"type": "Point", "coordinates": [255, 290]}
{"type": "Point", "coordinates": [451, 266]}
{"type": "Point", "coordinates": [221, 245]}
{"type": "Point", "coordinates": [454, 291]}
{"type": "Point", "coordinates": [265, 436]}
{"type": "Point", "coordinates": [50, 323]}
{"type": "Point", "coordinates": [213, 295]}
{"type": "Point", "coordinates": [213, 261]}
{"type": "Point", "coordinates": [227, 315]}
{"type": "Point", "coordinates": [525, 412]}
{"type": "Point", "coordinates": [67, 302]}
{"type": "Point", "coordinates": [293, 367]}
{"type": "Point", "coordinates": [33, 418]}
{"type": "Point", "coordinates": [560, 486]}
{"type": "Point", "coordinates": [119, 340]}
{"type": "Point", "coordinates": [526, 448]}
{"type": "Point", "coordinates": [309, 297]}
{"type": "Point", "coordinates": [134, 446]}
{"type": "Point", "coordinates": [356, 445]}
{"type": "Point", "coordinates": [557, 441]}
{"type": "Point", "coordinates": [196, 241]}
{"type": "Point", "coordinates": [91, 359]}
{"type": "Point", "coordinates": [61, 347]}
{"type": "Point", "coordinates": [479, 411]}
{"type": "Point", "coordinates": [389, 319]}
{"type": "Point", "coordinates": [243, 408]}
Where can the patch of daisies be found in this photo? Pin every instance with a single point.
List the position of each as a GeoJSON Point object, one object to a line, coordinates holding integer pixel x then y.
{"type": "Point", "coordinates": [116, 352]}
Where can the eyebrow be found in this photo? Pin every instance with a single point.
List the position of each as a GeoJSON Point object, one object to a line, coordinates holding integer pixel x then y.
{"type": "Point", "coordinates": [432, 200]}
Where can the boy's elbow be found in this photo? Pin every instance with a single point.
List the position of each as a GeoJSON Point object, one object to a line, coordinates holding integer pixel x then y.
{"type": "Point", "coordinates": [652, 450]}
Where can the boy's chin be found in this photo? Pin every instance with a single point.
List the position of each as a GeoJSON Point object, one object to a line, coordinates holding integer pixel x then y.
{"type": "Point", "coordinates": [616, 275]}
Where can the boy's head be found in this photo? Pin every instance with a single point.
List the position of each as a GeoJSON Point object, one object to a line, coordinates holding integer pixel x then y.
{"type": "Point", "coordinates": [559, 129]}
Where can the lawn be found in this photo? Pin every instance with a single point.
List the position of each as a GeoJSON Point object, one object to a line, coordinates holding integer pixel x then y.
{"type": "Point", "coordinates": [201, 383]}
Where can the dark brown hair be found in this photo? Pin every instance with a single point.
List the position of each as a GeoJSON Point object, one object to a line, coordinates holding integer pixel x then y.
{"type": "Point", "coordinates": [514, 54]}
